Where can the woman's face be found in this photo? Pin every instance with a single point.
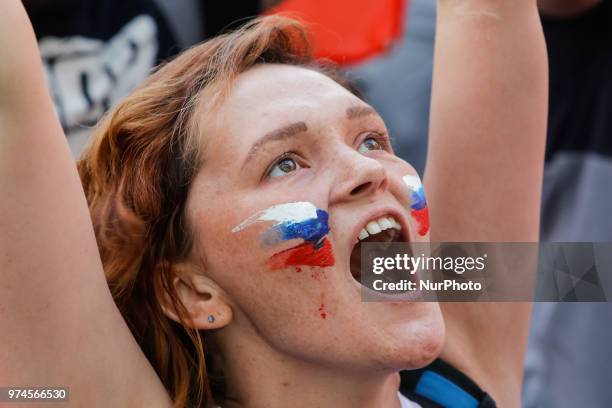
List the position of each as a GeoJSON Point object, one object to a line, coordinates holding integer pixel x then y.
{"type": "Point", "coordinates": [288, 148]}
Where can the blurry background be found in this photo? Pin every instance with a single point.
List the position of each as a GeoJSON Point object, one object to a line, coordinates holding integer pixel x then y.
{"type": "Point", "coordinates": [95, 52]}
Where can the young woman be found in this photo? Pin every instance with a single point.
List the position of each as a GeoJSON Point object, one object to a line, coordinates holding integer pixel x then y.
{"type": "Point", "coordinates": [184, 180]}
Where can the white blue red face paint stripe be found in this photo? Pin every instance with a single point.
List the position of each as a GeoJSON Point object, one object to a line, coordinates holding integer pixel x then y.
{"type": "Point", "coordinates": [418, 206]}
{"type": "Point", "coordinates": [298, 220]}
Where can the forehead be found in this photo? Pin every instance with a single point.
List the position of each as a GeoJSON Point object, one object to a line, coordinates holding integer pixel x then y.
{"type": "Point", "coordinates": [268, 96]}
{"type": "Point", "coordinates": [280, 88]}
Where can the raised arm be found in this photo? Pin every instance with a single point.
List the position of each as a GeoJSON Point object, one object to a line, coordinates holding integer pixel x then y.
{"type": "Point", "coordinates": [484, 168]}
{"type": "Point", "coordinates": [58, 323]}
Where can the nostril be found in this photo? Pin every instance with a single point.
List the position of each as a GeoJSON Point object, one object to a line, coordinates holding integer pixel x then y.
{"type": "Point", "coordinates": [361, 188]}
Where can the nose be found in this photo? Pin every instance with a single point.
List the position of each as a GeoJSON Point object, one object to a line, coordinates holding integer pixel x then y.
{"type": "Point", "coordinates": [359, 177]}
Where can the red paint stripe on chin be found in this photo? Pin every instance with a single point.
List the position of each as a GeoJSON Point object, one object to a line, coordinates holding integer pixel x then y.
{"type": "Point", "coordinates": [304, 255]}
{"type": "Point", "coordinates": [422, 218]}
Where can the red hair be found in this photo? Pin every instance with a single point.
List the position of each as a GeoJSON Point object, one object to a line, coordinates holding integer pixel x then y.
{"type": "Point", "coordinates": [136, 175]}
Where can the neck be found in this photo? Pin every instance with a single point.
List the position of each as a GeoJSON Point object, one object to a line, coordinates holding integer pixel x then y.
{"type": "Point", "coordinates": [257, 375]}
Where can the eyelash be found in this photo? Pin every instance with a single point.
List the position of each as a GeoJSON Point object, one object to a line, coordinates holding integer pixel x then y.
{"type": "Point", "coordinates": [287, 155]}
{"type": "Point", "coordinates": [381, 138]}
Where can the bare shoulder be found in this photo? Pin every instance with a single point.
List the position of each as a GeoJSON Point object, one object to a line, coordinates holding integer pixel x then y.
{"type": "Point", "coordinates": [58, 321]}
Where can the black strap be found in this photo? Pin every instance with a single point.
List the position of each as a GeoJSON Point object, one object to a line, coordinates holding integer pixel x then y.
{"type": "Point", "coordinates": [440, 385]}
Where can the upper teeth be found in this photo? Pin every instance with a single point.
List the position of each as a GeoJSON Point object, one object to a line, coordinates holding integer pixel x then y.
{"type": "Point", "coordinates": [379, 225]}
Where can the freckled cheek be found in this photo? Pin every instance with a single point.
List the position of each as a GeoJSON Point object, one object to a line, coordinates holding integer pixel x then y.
{"type": "Point", "coordinates": [223, 249]}
{"type": "Point", "coordinates": [241, 263]}
{"type": "Point", "coordinates": [239, 251]}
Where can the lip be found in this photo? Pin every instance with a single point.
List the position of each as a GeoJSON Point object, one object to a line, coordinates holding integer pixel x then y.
{"type": "Point", "coordinates": [370, 216]}
{"type": "Point", "coordinates": [405, 236]}
{"type": "Point", "coordinates": [376, 214]}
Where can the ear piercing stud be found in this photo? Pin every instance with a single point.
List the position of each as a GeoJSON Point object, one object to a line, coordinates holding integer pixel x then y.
{"type": "Point", "coordinates": [211, 319]}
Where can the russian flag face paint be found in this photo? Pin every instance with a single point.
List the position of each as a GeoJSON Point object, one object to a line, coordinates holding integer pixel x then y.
{"type": "Point", "coordinates": [418, 204]}
{"type": "Point", "coordinates": [299, 220]}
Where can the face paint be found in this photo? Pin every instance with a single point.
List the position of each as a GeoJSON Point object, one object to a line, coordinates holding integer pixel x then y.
{"type": "Point", "coordinates": [304, 255]}
{"type": "Point", "coordinates": [418, 207]}
{"type": "Point", "coordinates": [322, 311]}
{"type": "Point", "coordinates": [299, 220]}
{"type": "Point", "coordinates": [281, 213]}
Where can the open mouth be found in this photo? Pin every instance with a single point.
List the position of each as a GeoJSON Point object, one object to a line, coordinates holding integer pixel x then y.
{"type": "Point", "coordinates": [384, 229]}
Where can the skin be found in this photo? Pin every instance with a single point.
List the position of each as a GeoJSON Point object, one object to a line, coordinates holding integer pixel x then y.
{"type": "Point", "coordinates": [54, 302]}
{"type": "Point", "coordinates": [371, 341]}
{"type": "Point", "coordinates": [487, 126]}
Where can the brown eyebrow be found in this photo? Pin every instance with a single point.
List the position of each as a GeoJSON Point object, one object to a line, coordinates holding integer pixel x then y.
{"type": "Point", "coordinates": [277, 135]}
{"type": "Point", "coordinates": [359, 111]}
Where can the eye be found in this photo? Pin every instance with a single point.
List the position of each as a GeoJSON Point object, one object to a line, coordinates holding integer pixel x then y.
{"type": "Point", "coordinates": [369, 144]}
{"type": "Point", "coordinates": [283, 166]}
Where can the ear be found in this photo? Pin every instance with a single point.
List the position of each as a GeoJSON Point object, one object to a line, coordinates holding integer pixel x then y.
{"type": "Point", "coordinates": [204, 301]}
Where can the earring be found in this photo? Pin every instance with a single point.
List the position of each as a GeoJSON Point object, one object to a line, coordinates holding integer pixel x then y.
{"type": "Point", "coordinates": [211, 319]}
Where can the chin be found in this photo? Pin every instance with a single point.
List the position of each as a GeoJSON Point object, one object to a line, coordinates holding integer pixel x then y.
{"type": "Point", "coordinates": [414, 343]}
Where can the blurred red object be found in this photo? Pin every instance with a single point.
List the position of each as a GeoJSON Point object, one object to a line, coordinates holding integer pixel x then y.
{"type": "Point", "coordinates": [348, 31]}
